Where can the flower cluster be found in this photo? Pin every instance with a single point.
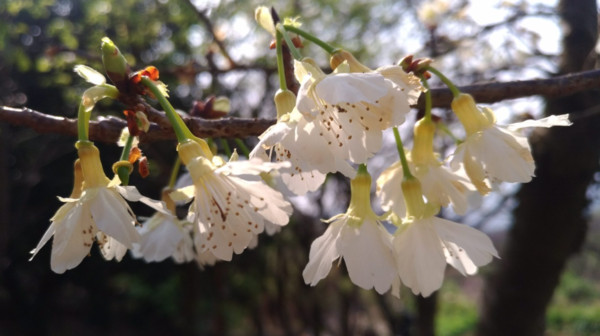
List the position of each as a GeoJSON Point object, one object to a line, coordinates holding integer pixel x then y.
{"type": "Point", "coordinates": [334, 123]}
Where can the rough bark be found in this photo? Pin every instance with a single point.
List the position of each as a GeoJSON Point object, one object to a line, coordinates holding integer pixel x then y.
{"type": "Point", "coordinates": [549, 225]}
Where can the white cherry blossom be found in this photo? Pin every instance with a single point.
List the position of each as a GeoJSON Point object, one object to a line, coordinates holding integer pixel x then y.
{"type": "Point", "coordinates": [349, 110]}
{"type": "Point", "coordinates": [492, 152]}
{"type": "Point", "coordinates": [231, 202]}
{"type": "Point", "coordinates": [359, 239]}
{"type": "Point", "coordinates": [97, 211]}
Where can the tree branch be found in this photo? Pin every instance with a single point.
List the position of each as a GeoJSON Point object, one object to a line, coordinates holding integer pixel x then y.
{"type": "Point", "coordinates": [108, 129]}
{"type": "Point", "coordinates": [494, 92]}
{"type": "Point", "coordinates": [211, 30]}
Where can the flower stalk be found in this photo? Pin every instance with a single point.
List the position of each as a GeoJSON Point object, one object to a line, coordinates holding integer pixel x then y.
{"type": "Point", "coordinates": [290, 44]}
{"type": "Point", "coordinates": [123, 171]}
{"type": "Point", "coordinates": [326, 46]}
{"type": "Point", "coordinates": [453, 88]}
{"type": "Point", "coordinates": [405, 168]}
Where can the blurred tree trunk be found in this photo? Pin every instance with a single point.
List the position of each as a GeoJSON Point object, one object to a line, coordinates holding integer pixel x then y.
{"type": "Point", "coordinates": [425, 319]}
{"type": "Point", "coordinates": [549, 225]}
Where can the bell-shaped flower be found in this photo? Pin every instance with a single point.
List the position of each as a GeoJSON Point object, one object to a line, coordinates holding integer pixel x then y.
{"type": "Point", "coordinates": [163, 235]}
{"type": "Point", "coordinates": [231, 201]}
{"type": "Point", "coordinates": [95, 211]}
{"type": "Point", "coordinates": [423, 244]}
{"type": "Point", "coordinates": [440, 184]}
{"type": "Point", "coordinates": [349, 110]}
{"type": "Point", "coordinates": [358, 238]}
{"type": "Point", "coordinates": [492, 152]}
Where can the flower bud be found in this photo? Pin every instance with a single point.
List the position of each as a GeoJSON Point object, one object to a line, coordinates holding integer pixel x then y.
{"type": "Point", "coordinates": [262, 15]}
{"type": "Point", "coordinates": [285, 101]}
{"type": "Point", "coordinates": [222, 104]}
{"type": "Point", "coordinates": [115, 63]}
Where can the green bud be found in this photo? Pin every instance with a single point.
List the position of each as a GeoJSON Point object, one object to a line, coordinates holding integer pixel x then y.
{"type": "Point", "coordinates": [285, 100]}
{"type": "Point", "coordinates": [115, 64]}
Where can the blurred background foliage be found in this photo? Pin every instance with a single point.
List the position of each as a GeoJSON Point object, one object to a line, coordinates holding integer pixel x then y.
{"type": "Point", "coordinates": [260, 291]}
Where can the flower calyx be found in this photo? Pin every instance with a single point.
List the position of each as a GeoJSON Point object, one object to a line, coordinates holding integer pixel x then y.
{"type": "Point", "coordinates": [91, 166]}
{"type": "Point", "coordinates": [471, 117]}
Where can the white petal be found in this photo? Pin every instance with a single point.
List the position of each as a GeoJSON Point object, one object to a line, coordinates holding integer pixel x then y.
{"type": "Point", "coordinates": [184, 180]}
{"type": "Point", "coordinates": [90, 75]}
{"type": "Point", "coordinates": [505, 154]}
{"type": "Point", "coordinates": [553, 120]}
{"type": "Point", "coordinates": [113, 217]}
{"type": "Point", "coordinates": [162, 240]}
{"type": "Point", "coordinates": [47, 235]}
{"type": "Point", "coordinates": [419, 257]}
{"type": "Point", "coordinates": [368, 256]}
{"type": "Point", "coordinates": [253, 166]}
{"type": "Point", "coordinates": [467, 248]}
{"type": "Point", "coordinates": [185, 250]}
{"type": "Point", "coordinates": [132, 194]}
{"type": "Point", "coordinates": [183, 194]}
{"type": "Point", "coordinates": [390, 191]}
{"type": "Point", "coordinates": [110, 247]}
{"type": "Point", "coordinates": [323, 251]}
{"type": "Point", "coordinates": [442, 186]}
{"type": "Point", "coordinates": [73, 239]}
{"type": "Point", "coordinates": [94, 94]}
{"type": "Point", "coordinates": [351, 88]}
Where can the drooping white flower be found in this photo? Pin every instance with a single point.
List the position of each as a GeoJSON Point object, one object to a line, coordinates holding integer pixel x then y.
{"type": "Point", "coordinates": [95, 211]}
{"type": "Point", "coordinates": [494, 152]}
{"type": "Point", "coordinates": [359, 239]}
{"type": "Point", "coordinates": [350, 110]}
{"type": "Point", "coordinates": [163, 235]}
{"type": "Point", "coordinates": [423, 244]}
{"type": "Point", "coordinates": [231, 202]}
{"type": "Point", "coordinates": [439, 183]}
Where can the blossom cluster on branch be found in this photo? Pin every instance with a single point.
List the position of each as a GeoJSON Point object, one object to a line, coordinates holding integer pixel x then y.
{"type": "Point", "coordinates": [335, 123]}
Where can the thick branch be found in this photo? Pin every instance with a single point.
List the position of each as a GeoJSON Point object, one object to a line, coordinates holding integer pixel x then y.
{"type": "Point", "coordinates": [108, 129]}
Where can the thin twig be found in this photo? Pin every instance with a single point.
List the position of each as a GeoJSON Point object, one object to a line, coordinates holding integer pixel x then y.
{"type": "Point", "coordinates": [211, 30]}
